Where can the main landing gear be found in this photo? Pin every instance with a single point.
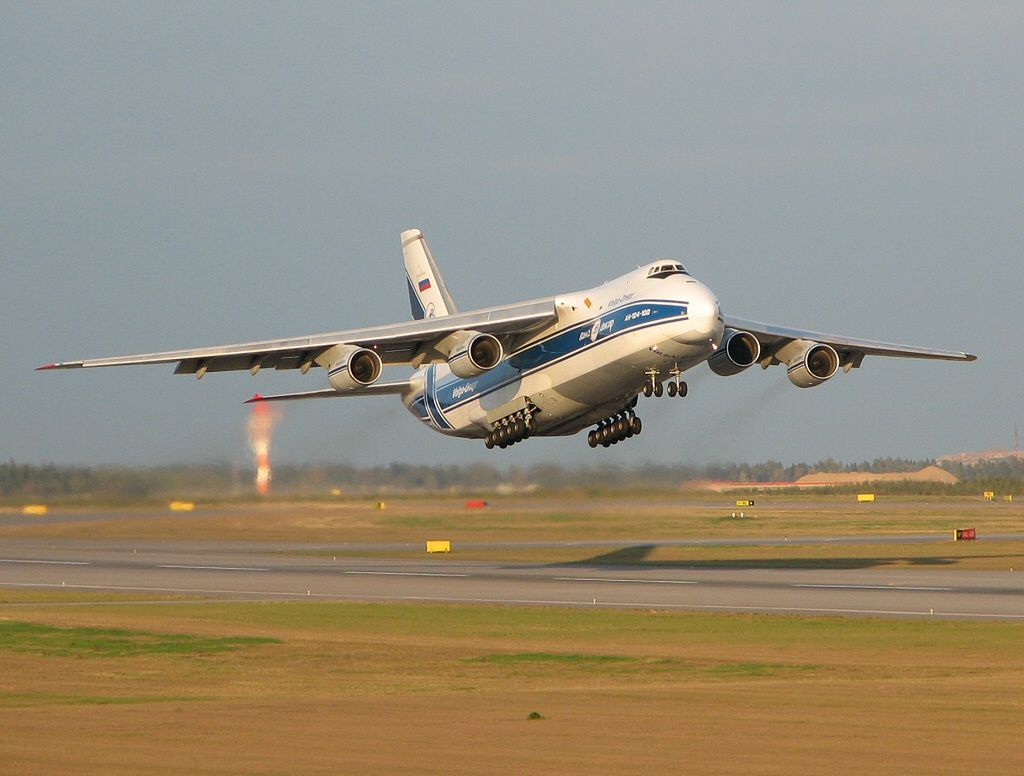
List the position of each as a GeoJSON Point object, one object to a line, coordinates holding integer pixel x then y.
{"type": "Point", "coordinates": [655, 387]}
{"type": "Point", "coordinates": [507, 431]}
{"type": "Point", "coordinates": [615, 429]}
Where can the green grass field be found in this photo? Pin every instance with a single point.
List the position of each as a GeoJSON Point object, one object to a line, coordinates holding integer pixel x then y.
{"type": "Point", "coordinates": [384, 688]}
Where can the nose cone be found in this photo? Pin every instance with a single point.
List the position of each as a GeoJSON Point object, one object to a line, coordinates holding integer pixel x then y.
{"type": "Point", "coordinates": [703, 313]}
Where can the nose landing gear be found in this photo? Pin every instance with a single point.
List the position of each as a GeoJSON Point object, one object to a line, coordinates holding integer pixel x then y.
{"type": "Point", "coordinates": [654, 387]}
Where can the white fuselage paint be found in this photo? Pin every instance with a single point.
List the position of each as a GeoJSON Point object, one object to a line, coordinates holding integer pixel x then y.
{"type": "Point", "coordinates": [588, 365]}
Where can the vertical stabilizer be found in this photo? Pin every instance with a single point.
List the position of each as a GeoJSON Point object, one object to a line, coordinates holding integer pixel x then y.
{"type": "Point", "coordinates": [428, 294]}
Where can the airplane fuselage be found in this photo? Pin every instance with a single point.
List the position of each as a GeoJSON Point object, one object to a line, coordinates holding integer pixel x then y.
{"type": "Point", "coordinates": [604, 348]}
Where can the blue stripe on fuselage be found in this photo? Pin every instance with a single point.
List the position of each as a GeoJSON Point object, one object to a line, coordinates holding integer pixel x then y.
{"type": "Point", "coordinates": [454, 391]}
{"type": "Point", "coordinates": [430, 399]}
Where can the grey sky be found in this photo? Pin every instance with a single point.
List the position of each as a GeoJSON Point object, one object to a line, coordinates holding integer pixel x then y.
{"type": "Point", "coordinates": [180, 175]}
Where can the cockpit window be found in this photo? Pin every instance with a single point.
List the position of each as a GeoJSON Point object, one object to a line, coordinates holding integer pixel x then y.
{"type": "Point", "coordinates": [664, 270]}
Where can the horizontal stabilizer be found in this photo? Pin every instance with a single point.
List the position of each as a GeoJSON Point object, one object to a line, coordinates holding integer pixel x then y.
{"type": "Point", "coordinates": [377, 389]}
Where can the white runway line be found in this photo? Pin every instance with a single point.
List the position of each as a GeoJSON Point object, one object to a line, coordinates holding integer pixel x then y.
{"type": "Point", "coordinates": [637, 581]}
{"type": "Point", "coordinates": [210, 568]}
{"type": "Point", "coordinates": [874, 587]}
{"type": "Point", "coordinates": [536, 601]}
{"type": "Point", "coordinates": [404, 574]}
{"type": "Point", "coordinates": [48, 562]}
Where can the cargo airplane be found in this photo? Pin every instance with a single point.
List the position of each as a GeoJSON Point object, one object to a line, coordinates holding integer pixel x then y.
{"type": "Point", "coordinates": [547, 367]}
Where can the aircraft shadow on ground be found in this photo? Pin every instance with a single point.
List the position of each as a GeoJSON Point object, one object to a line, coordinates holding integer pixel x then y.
{"type": "Point", "coordinates": [638, 556]}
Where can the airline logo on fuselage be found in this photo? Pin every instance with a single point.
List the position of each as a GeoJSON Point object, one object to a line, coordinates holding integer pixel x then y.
{"type": "Point", "coordinates": [461, 390]}
{"type": "Point", "coordinates": [594, 331]}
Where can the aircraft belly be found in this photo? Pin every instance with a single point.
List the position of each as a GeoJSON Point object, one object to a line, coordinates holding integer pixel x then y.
{"type": "Point", "coordinates": [591, 368]}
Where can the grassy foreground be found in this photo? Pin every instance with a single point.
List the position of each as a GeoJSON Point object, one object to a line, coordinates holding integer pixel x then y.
{"type": "Point", "coordinates": [172, 686]}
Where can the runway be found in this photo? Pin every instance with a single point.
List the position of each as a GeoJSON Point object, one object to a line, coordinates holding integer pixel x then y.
{"type": "Point", "coordinates": [240, 571]}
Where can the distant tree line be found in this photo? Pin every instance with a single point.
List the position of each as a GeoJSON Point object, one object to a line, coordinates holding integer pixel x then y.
{"type": "Point", "coordinates": [20, 482]}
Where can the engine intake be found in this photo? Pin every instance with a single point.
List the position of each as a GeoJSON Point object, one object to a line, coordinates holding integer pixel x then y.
{"type": "Point", "coordinates": [353, 368]}
{"type": "Point", "coordinates": [473, 353]}
{"type": "Point", "coordinates": [813, 366]}
{"type": "Point", "coordinates": [739, 350]}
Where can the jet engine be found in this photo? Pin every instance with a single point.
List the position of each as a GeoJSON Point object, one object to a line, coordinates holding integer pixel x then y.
{"type": "Point", "coordinates": [739, 350]}
{"type": "Point", "coordinates": [353, 367]}
{"type": "Point", "coordinates": [812, 365]}
{"type": "Point", "coordinates": [472, 353]}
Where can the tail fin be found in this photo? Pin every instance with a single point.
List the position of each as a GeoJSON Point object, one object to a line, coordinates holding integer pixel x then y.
{"type": "Point", "coordinates": [428, 295]}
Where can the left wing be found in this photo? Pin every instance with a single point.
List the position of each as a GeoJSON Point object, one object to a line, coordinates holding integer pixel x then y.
{"type": "Point", "coordinates": [398, 343]}
{"type": "Point", "coordinates": [851, 351]}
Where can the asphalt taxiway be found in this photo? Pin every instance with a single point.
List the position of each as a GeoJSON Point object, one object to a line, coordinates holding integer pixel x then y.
{"type": "Point", "coordinates": [238, 570]}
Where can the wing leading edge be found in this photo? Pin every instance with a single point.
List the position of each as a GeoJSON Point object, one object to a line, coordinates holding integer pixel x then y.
{"type": "Point", "coordinates": [850, 350]}
{"type": "Point", "coordinates": [399, 343]}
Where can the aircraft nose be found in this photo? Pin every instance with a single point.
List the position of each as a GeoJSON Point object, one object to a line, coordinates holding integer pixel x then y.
{"type": "Point", "coordinates": [703, 313]}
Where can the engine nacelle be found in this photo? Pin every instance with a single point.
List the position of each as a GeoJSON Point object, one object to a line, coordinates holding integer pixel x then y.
{"type": "Point", "coordinates": [739, 349]}
{"type": "Point", "coordinates": [472, 353]}
{"type": "Point", "coordinates": [353, 367]}
{"type": "Point", "coordinates": [813, 365]}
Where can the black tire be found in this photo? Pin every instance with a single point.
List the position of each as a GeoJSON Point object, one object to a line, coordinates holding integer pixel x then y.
{"type": "Point", "coordinates": [592, 439]}
{"type": "Point", "coordinates": [658, 389]}
{"type": "Point", "coordinates": [648, 390]}
{"type": "Point", "coordinates": [489, 441]}
{"type": "Point", "coordinates": [682, 390]}
{"type": "Point", "coordinates": [671, 389]}
{"type": "Point", "coordinates": [636, 425]}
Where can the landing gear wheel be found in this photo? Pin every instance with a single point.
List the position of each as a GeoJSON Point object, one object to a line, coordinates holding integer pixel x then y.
{"type": "Point", "coordinates": [671, 389]}
{"type": "Point", "coordinates": [648, 390]}
{"type": "Point", "coordinates": [592, 439]}
{"type": "Point", "coordinates": [658, 389]}
{"type": "Point", "coordinates": [635, 425]}
{"type": "Point", "coordinates": [682, 390]}
{"type": "Point", "coordinates": [489, 441]}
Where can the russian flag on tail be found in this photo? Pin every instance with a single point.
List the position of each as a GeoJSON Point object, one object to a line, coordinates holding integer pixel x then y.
{"type": "Point", "coordinates": [424, 284]}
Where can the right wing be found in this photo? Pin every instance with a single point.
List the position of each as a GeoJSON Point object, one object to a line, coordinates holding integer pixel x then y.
{"type": "Point", "coordinates": [851, 351]}
{"type": "Point", "coordinates": [398, 343]}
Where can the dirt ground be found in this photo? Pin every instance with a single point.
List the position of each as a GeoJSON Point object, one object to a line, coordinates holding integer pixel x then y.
{"type": "Point", "coordinates": [365, 688]}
